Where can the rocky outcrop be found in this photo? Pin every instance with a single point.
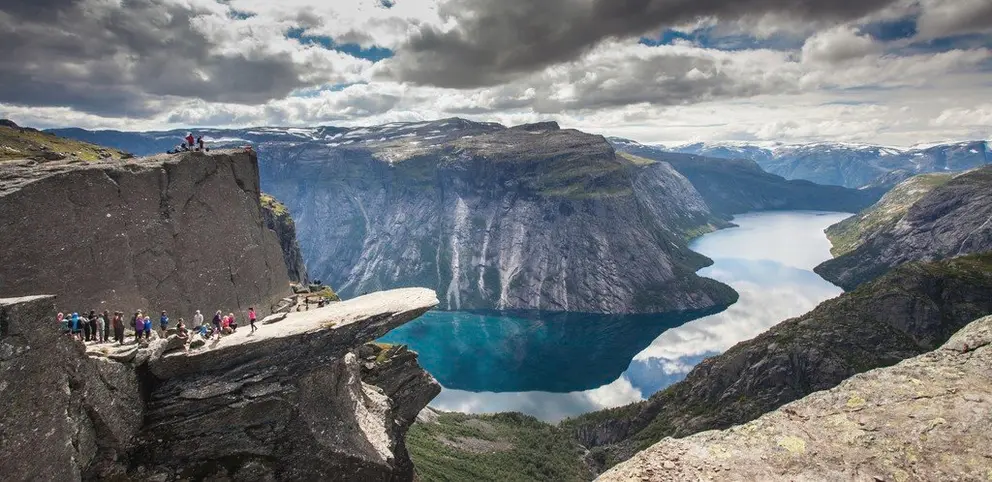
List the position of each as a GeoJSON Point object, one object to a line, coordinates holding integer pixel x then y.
{"type": "Point", "coordinates": [64, 415]}
{"type": "Point", "coordinates": [294, 400]}
{"type": "Point", "coordinates": [533, 217]}
{"type": "Point", "coordinates": [170, 232]}
{"type": "Point", "coordinates": [910, 311]}
{"type": "Point", "coordinates": [277, 219]}
{"type": "Point", "coordinates": [952, 219]}
{"type": "Point", "coordinates": [926, 418]}
{"type": "Point", "coordinates": [736, 185]}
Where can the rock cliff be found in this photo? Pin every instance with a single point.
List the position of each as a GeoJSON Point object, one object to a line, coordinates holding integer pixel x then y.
{"type": "Point", "coordinates": [909, 311]}
{"type": "Point", "coordinates": [926, 418]}
{"type": "Point", "coordinates": [174, 232]}
{"type": "Point", "coordinates": [950, 220]}
{"type": "Point", "coordinates": [734, 186]}
{"type": "Point", "coordinates": [278, 219]}
{"type": "Point", "coordinates": [299, 399]}
{"type": "Point", "coordinates": [532, 217]}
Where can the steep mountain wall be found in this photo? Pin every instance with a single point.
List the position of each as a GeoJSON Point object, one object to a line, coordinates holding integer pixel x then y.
{"type": "Point", "coordinates": [909, 311]}
{"type": "Point", "coordinates": [278, 219]}
{"type": "Point", "coordinates": [950, 220]}
{"type": "Point", "coordinates": [923, 419]}
{"type": "Point", "coordinates": [299, 399]}
{"type": "Point", "coordinates": [170, 232]}
{"type": "Point", "coordinates": [532, 217]}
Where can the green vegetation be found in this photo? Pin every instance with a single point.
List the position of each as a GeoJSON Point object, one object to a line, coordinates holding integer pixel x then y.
{"type": "Point", "coordinates": [637, 160]}
{"type": "Point", "coordinates": [502, 447]}
{"type": "Point", "coordinates": [26, 143]}
{"type": "Point", "coordinates": [849, 234]}
{"type": "Point", "coordinates": [272, 204]}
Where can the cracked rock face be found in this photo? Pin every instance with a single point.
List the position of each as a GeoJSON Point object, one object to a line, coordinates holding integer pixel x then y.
{"type": "Point", "coordinates": [951, 220]}
{"type": "Point", "coordinates": [926, 418]}
{"type": "Point", "coordinates": [175, 233]}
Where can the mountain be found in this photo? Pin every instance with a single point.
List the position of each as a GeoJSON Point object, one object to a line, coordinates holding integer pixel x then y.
{"type": "Point", "coordinates": [529, 217]}
{"type": "Point", "coordinates": [278, 219]}
{"type": "Point", "coordinates": [911, 310]}
{"type": "Point", "coordinates": [738, 185]}
{"type": "Point", "coordinates": [25, 143]}
{"type": "Point", "coordinates": [851, 165]}
{"type": "Point", "coordinates": [951, 219]}
{"type": "Point", "coordinates": [923, 419]}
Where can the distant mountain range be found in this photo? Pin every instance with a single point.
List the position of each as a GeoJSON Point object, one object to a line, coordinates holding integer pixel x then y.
{"type": "Point", "coordinates": [850, 165]}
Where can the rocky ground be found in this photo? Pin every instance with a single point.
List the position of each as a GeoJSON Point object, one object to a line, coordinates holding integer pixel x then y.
{"type": "Point", "coordinates": [927, 418]}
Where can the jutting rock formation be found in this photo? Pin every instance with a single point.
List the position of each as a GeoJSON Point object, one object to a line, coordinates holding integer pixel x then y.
{"type": "Point", "coordinates": [278, 219]}
{"type": "Point", "coordinates": [926, 418]}
{"type": "Point", "coordinates": [300, 399]}
{"type": "Point", "coordinates": [168, 232]}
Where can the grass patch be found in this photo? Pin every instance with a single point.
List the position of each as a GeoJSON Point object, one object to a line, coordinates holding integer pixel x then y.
{"type": "Point", "coordinates": [499, 447]}
{"type": "Point", "coordinates": [27, 143]}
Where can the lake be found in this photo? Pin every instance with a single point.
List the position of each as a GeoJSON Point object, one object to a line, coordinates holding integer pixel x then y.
{"type": "Point", "coordinates": [557, 365]}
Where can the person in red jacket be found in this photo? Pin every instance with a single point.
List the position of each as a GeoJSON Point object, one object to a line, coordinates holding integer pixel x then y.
{"type": "Point", "coordinates": [190, 140]}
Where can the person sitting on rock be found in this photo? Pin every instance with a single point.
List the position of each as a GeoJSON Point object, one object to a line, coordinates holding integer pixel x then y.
{"type": "Point", "coordinates": [225, 325]}
{"type": "Point", "coordinates": [147, 326]}
{"type": "Point", "coordinates": [182, 333]}
{"type": "Point", "coordinates": [234, 323]}
{"type": "Point", "coordinates": [63, 322]}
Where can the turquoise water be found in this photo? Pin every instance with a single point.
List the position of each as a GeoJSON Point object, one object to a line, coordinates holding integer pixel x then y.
{"type": "Point", "coordinates": [555, 365]}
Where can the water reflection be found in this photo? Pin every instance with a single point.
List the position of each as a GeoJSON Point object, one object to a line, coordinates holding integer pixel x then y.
{"type": "Point", "coordinates": [555, 366]}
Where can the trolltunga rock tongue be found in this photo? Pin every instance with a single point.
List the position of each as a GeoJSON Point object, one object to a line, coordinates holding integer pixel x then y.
{"type": "Point", "coordinates": [320, 333]}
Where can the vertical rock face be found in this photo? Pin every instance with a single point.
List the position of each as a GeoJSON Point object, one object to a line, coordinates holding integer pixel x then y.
{"type": "Point", "coordinates": [278, 219]}
{"type": "Point", "coordinates": [63, 414]}
{"type": "Point", "coordinates": [532, 217]}
{"type": "Point", "coordinates": [177, 233]}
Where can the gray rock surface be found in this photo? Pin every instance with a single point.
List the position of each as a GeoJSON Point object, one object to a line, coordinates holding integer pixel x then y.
{"type": "Point", "coordinates": [169, 232]}
{"type": "Point", "coordinates": [951, 220]}
{"type": "Point", "coordinates": [910, 311]}
{"type": "Point", "coordinates": [533, 217]}
{"type": "Point", "coordinates": [927, 418]}
{"type": "Point", "coordinates": [64, 415]}
{"type": "Point", "coordinates": [291, 401]}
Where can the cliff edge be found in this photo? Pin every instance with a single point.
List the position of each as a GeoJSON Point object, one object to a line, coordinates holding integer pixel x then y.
{"type": "Point", "coordinates": [926, 418]}
{"type": "Point", "coordinates": [300, 399]}
{"type": "Point", "coordinates": [174, 232]}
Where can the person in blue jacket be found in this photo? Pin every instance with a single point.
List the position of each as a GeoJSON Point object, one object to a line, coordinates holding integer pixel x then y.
{"type": "Point", "coordinates": [163, 323]}
{"type": "Point", "coordinates": [75, 325]}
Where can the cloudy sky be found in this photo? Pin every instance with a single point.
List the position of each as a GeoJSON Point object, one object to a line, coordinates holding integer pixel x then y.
{"type": "Point", "coordinates": [896, 72]}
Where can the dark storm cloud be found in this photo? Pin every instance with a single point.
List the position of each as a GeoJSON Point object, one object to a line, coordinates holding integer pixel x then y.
{"type": "Point", "coordinates": [495, 41]}
{"type": "Point", "coordinates": [126, 60]}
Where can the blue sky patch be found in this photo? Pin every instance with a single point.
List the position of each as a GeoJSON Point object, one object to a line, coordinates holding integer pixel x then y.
{"type": "Point", "coordinates": [888, 31]}
{"type": "Point", "coordinates": [710, 39]}
{"type": "Point", "coordinates": [373, 54]}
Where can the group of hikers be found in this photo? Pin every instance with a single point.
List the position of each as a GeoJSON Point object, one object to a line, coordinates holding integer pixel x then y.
{"type": "Point", "coordinates": [190, 144]}
{"type": "Point", "coordinates": [97, 327]}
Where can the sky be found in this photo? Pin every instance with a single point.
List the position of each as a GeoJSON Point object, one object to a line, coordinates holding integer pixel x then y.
{"type": "Point", "coordinates": [890, 72]}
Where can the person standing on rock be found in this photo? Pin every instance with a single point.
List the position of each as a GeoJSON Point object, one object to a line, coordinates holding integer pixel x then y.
{"type": "Point", "coordinates": [163, 322]}
{"type": "Point", "coordinates": [101, 322]}
{"type": "Point", "coordinates": [119, 327]}
{"type": "Point", "coordinates": [139, 326]}
{"type": "Point", "coordinates": [106, 325]}
{"type": "Point", "coordinates": [189, 140]}
{"type": "Point", "coordinates": [147, 325]}
{"type": "Point", "coordinates": [86, 328]}
{"type": "Point", "coordinates": [251, 318]}
{"type": "Point", "coordinates": [197, 319]}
